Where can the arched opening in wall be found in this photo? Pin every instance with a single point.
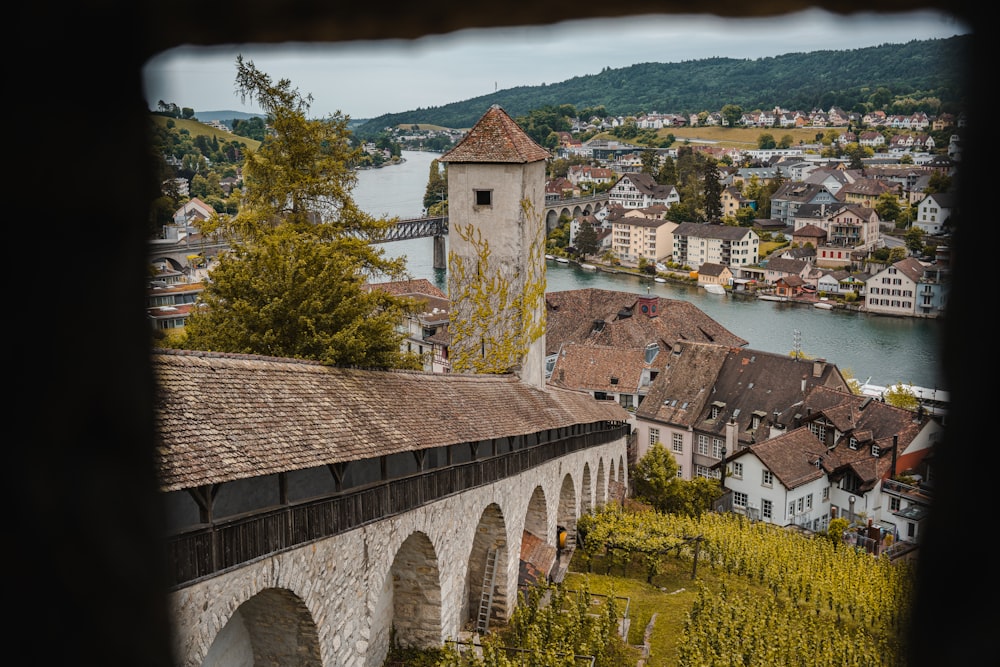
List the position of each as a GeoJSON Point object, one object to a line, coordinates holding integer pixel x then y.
{"type": "Point", "coordinates": [486, 580]}
{"type": "Point", "coordinates": [537, 553]}
{"type": "Point", "coordinates": [566, 517]}
{"type": "Point", "coordinates": [586, 493]}
{"type": "Point", "coordinates": [602, 484]}
{"type": "Point", "coordinates": [551, 221]}
{"type": "Point", "coordinates": [409, 607]}
{"type": "Point", "coordinates": [274, 627]}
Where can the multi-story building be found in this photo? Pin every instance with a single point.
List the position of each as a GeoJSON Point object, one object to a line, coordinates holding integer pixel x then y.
{"type": "Point", "coordinates": [641, 191]}
{"type": "Point", "coordinates": [908, 288]}
{"type": "Point", "coordinates": [641, 234]}
{"type": "Point", "coordinates": [696, 243]}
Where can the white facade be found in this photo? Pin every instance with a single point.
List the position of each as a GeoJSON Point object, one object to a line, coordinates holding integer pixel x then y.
{"type": "Point", "coordinates": [636, 237]}
{"type": "Point", "coordinates": [931, 215]}
{"type": "Point", "coordinates": [757, 493]}
{"type": "Point", "coordinates": [891, 292]}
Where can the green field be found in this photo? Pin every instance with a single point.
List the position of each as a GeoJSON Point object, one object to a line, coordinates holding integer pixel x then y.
{"type": "Point", "coordinates": [196, 128]}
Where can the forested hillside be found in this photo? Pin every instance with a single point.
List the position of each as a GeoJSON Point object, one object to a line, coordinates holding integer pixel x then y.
{"type": "Point", "coordinates": [921, 75]}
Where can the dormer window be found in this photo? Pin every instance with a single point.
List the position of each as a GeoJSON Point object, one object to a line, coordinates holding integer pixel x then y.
{"type": "Point", "coordinates": [875, 450]}
{"type": "Point", "coordinates": [717, 409]}
{"type": "Point", "coordinates": [853, 443]}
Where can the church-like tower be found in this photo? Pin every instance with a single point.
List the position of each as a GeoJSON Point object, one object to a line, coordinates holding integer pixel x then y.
{"type": "Point", "coordinates": [496, 250]}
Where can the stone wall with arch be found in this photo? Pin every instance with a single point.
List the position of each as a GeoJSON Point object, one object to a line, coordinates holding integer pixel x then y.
{"type": "Point", "coordinates": [338, 601]}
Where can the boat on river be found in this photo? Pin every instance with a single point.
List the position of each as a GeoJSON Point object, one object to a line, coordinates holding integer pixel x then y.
{"type": "Point", "coordinates": [588, 267]}
{"type": "Point", "coordinates": [713, 288]}
{"type": "Point", "coordinates": [771, 297]}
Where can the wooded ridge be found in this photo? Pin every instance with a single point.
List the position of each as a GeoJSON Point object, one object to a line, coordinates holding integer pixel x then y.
{"type": "Point", "coordinates": [921, 75]}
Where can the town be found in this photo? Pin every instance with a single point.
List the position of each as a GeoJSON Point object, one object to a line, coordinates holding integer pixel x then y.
{"type": "Point", "coordinates": [791, 441]}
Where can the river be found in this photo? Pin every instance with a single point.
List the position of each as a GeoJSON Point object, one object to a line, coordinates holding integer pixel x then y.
{"type": "Point", "coordinates": [885, 349]}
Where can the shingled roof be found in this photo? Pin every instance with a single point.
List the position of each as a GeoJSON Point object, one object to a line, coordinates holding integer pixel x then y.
{"type": "Point", "coordinates": [611, 318]}
{"type": "Point", "coordinates": [869, 422]}
{"type": "Point", "coordinates": [792, 457]}
{"type": "Point", "coordinates": [496, 138]}
{"type": "Point", "coordinates": [222, 417]}
{"type": "Point", "coordinates": [742, 383]}
{"type": "Point", "coordinates": [681, 391]}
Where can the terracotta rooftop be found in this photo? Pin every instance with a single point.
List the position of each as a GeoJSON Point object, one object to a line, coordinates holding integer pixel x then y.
{"type": "Point", "coordinates": [222, 417]}
{"type": "Point", "coordinates": [612, 318]}
{"type": "Point", "coordinates": [496, 138]}
{"type": "Point", "coordinates": [869, 422]}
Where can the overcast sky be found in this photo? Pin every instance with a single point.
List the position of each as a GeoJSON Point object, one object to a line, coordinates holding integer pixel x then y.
{"type": "Point", "coordinates": [368, 79]}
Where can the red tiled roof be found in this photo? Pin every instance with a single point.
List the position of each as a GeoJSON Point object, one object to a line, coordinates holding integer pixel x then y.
{"type": "Point", "coordinates": [496, 138]}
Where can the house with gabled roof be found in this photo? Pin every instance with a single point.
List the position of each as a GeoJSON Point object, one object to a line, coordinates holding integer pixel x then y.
{"type": "Point", "coordinates": [790, 195]}
{"type": "Point", "coordinates": [732, 200]}
{"type": "Point", "coordinates": [710, 273]}
{"type": "Point", "coordinates": [192, 212]}
{"type": "Point", "coordinates": [839, 454]}
{"type": "Point", "coordinates": [621, 374]}
{"type": "Point", "coordinates": [427, 326]}
{"type": "Point", "coordinates": [866, 192]}
{"type": "Point", "coordinates": [710, 399]}
{"type": "Point", "coordinates": [779, 268]}
{"type": "Point", "coordinates": [908, 288]}
{"type": "Point", "coordinates": [639, 190]}
{"type": "Point", "coordinates": [934, 212]}
{"type": "Point", "coordinates": [596, 319]}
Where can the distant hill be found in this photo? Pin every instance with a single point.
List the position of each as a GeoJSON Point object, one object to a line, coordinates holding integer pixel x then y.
{"type": "Point", "coordinates": [209, 116]}
{"type": "Point", "coordinates": [879, 75]}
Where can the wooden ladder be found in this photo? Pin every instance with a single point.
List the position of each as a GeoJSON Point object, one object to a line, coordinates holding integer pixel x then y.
{"type": "Point", "coordinates": [486, 597]}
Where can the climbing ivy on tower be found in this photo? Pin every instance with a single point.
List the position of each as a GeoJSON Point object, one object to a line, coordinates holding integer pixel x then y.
{"type": "Point", "coordinates": [501, 312]}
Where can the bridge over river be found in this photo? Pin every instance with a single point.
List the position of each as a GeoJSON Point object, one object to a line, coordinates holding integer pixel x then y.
{"type": "Point", "coordinates": [182, 253]}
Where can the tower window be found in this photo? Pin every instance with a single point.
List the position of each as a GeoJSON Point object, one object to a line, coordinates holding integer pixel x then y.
{"type": "Point", "coordinates": [484, 197]}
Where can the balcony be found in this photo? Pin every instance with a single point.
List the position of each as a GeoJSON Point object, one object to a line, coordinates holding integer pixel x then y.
{"type": "Point", "coordinates": [914, 494]}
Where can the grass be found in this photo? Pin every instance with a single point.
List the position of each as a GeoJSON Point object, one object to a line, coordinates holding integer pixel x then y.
{"type": "Point", "coordinates": [196, 128]}
{"type": "Point", "coordinates": [734, 137]}
{"type": "Point", "coordinates": [669, 597]}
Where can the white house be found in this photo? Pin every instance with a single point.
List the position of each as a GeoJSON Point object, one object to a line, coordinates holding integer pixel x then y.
{"type": "Point", "coordinates": [843, 455]}
{"type": "Point", "coordinates": [933, 212]}
{"type": "Point", "coordinates": [641, 191]}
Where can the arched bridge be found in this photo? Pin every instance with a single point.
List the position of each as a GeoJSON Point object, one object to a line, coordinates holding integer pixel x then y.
{"type": "Point", "coordinates": [179, 253]}
{"type": "Point", "coordinates": [314, 523]}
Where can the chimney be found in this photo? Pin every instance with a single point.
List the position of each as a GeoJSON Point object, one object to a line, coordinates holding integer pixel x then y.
{"type": "Point", "coordinates": [819, 365]}
{"type": "Point", "coordinates": [895, 442]}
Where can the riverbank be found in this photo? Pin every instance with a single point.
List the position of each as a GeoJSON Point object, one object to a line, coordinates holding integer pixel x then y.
{"type": "Point", "coordinates": [684, 278]}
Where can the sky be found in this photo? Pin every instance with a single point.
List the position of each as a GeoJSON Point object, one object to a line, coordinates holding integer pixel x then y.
{"type": "Point", "coordinates": [366, 79]}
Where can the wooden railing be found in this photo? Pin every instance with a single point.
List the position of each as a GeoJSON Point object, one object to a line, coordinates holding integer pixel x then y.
{"type": "Point", "coordinates": [227, 544]}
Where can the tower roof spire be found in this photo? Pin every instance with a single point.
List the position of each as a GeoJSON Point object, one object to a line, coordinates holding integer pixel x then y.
{"type": "Point", "coordinates": [496, 138]}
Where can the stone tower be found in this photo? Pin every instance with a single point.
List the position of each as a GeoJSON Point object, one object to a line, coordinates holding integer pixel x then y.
{"type": "Point", "coordinates": [496, 250]}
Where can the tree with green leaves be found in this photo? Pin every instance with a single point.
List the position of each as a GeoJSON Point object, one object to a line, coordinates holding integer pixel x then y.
{"type": "Point", "coordinates": [712, 190]}
{"type": "Point", "coordinates": [655, 482]}
{"type": "Point", "coordinates": [436, 192]}
{"type": "Point", "coordinates": [887, 207]}
{"type": "Point", "coordinates": [914, 239]}
{"type": "Point", "coordinates": [586, 239]}
{"type": "Point", "coordinates": [902, 396]}
{"type": "Point", "coordinates": [292, 283]}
